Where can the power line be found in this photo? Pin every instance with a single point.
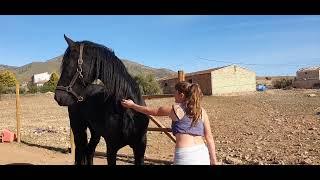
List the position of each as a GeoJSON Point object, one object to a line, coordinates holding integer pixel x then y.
{"type": "Point", "coordinates": [254, 64]}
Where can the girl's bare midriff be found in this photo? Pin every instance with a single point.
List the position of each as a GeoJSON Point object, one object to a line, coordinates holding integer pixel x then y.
{"type": "Point", "coordinates": [187, 140]}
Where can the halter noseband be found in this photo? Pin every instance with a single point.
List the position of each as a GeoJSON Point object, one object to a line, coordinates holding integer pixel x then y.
{"type": "Point", "coordinates": [79, 74]}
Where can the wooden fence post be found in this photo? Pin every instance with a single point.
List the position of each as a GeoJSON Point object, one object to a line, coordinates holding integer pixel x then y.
{"type": "Point", "coordinates": [18, 113]}
{"type": "Point", "coordinates": [181, 76]}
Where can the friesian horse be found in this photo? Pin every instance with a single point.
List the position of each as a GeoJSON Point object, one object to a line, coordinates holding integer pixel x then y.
{"type": "Point", "coordinates": [98, 106]}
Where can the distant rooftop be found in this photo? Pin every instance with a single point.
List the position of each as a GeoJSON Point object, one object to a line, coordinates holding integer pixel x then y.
{"type": "Point", "coordinates": [41, 73]}
{"type": "Point", "coordinates": [310, 68]}
{"type": "Point", "coordinates": [197, 72]}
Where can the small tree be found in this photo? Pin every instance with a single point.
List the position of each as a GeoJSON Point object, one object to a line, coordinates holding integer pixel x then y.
{"type": "Point", "coordinates": [51, 84]}
{"type": "Point", "coordinates": [1, 90]}
{"type": "Point", "coordinates": [32, 88]}
{"type": "Point", "coordinates": [147, 84]}
{"type": "Point", "coordinates": [22, 90]}
{"type": "Point", "coordinates": [7, 79]}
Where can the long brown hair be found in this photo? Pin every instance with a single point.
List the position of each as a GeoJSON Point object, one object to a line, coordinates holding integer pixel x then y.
{"type": "Point", "coordinates": [193, 96]}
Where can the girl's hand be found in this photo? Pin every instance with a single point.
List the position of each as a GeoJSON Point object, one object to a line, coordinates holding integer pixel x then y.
{"type": "Point", "coordinates": [127, 103]}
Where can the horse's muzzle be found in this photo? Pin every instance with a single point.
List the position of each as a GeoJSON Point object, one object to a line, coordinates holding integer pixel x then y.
{"type": "Point", "coordinates": [63, 98]}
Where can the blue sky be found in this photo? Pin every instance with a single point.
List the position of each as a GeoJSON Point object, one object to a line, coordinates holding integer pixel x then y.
{"type": "Point", "coordinates": [269, 45]}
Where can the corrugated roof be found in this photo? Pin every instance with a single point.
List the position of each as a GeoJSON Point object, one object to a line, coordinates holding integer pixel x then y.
{"type": "Point", "coordinates": [310, 68]}
{"type": "Point", "coordinates": [194, 73]}
{"type": "Point", "coordinates": [205, 71]}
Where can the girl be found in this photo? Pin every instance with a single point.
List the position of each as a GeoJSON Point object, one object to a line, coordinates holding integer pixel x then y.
{"type": "Point", "coordinates": [190, 123]}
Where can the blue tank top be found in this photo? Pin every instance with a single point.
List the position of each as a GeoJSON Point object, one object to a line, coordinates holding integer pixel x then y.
{"type": "Point", "coordinates": [183, 126]}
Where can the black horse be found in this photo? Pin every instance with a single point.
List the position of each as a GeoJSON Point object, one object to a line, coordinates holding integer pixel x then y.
{"type": "Point", "coordinates": [98, 107]}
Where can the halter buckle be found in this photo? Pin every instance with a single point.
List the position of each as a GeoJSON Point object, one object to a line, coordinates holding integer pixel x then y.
{"type": "Point", "coordinates": [80, 61]}
{"type": "Point", "coordinates": [80, 98]}
{"type": "Point", "coordinates": [68, 88]}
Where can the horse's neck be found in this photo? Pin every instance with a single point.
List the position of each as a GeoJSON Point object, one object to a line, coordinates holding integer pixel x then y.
{"type": "Point", "coordinates": [111, 85]}
{"type": "Point", "coordinates": [125, 78]}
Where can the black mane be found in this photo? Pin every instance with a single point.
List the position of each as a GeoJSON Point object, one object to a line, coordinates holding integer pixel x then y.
{"type": "Point", "coordinates": [110, 70]}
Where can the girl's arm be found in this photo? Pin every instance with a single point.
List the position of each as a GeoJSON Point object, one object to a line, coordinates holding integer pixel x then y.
{"type": "Point", "coordinates": [160, 111]}
{"type": "Point", "coordinates": [209, 139]}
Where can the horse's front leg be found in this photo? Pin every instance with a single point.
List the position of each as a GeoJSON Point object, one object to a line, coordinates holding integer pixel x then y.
{"type": "Point", "coordinates": [91, 148]}
{"type": "Point", "coordinates": [139, 149]}
{"type": "Point", "coordinates": [112, 151]}
{"type": "Point", "coordinates": [80, 137]}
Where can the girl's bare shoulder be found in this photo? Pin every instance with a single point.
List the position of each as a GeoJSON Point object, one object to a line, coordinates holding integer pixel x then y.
{"type": "Point", "coordinates": [178, 111]}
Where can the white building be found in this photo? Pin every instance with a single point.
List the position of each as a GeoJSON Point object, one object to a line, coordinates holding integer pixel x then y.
{"type": "Point", "coordinates": [40, 79]}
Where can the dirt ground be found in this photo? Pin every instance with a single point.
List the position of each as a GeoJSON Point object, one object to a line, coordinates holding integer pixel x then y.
{"type": "Point", "coordinates": [271, 127]}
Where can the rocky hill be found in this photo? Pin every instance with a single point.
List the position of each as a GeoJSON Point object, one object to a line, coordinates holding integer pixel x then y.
{"type": "Point", "coordinates": [24, 73]}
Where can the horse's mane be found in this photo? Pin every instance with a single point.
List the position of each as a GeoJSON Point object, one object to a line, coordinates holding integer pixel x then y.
{"type": "Point", "coordinates": [117, 81]}
{"type": "Point", "coordinates": [111, 71]}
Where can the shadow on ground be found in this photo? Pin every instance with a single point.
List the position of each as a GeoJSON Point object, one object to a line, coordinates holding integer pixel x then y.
{"type": "Point", "coordinates": [130, 159]}
{"type": "Point", "coordinates": [101, 155]}
{"type": "Point", "coordinates": [19, 164]}
{"type": "Point", "coordinates": [61, 150]}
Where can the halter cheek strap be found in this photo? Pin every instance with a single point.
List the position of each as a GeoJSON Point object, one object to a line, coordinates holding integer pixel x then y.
{"type": "Point", "coordinates": [79, 74]}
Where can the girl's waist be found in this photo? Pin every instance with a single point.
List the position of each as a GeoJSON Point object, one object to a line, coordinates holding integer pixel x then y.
{"type": "Point", "coordinates": [192, 148]}
{"type": "Point", "coordinates": [186, 140]}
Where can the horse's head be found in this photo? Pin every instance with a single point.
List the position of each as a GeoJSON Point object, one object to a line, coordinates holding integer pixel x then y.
{"type": "Point", "coordinates": [76, 75]}
{"type": "Point", "coordinates": [85, 62]}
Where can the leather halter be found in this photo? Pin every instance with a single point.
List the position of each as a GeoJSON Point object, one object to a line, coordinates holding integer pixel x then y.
{"type": "Point", "coordinates": [79, 74]}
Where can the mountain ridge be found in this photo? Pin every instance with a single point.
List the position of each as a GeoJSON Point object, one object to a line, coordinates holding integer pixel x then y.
{"type": "Point", "coordinates": [25, 72]}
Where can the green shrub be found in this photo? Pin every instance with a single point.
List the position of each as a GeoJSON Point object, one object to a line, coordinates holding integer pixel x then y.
{"type": "Point", "coordinates": [148, 84]}
{"type": "Point", "coordinates": [51, 84]}
{"type": "Point", "coordinates": [8, 78]}
{"type": "Point", "coordinates": [32, 88]}
{"type": "Point", "coordinates": [22, 90]}
{"type": "Point", "coordinates": [46, 88]}
{"type": "Point", "coordinates": [283, 83]}
{"type": "Point", "coordinates": [9, 90]}
{"type": "Point", "coordinates": [1, 90]}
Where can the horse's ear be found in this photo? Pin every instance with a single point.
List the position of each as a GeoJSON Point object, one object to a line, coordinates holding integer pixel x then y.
{"type": "Point", "coordinates": [69, 41]}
